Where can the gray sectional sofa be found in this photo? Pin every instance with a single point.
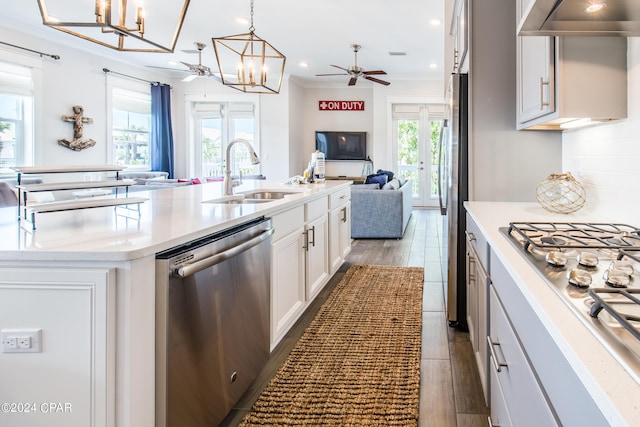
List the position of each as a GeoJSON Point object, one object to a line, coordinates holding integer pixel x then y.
{"type": "Point", "coordinates": [380, 213]}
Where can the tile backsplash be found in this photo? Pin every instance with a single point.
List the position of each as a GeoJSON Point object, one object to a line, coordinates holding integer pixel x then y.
{"type": "Point", "coordinates": [606, 158]}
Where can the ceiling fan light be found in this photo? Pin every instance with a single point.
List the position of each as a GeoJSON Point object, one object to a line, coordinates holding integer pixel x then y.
{"type": "Point", "coordinates": [118, 24]}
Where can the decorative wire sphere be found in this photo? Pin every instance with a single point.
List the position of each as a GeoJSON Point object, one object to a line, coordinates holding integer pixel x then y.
{"type": "Point", "coordinates": [560, 193]}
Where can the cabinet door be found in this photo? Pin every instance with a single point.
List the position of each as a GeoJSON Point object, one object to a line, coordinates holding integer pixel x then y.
{"type": "Point", "coordinates": [472, 296]}
{"type": "Point", "coordinates": [317, 249]}
{"type": "Point", "coordinates": [335, 254]}
{"type": "Point", "coordinates": [459, 31]}
{"type": "Point", "coordinates": [525, 400]}
{"type": "Point", "coordinates": [287, 282]}
{"type": "Point", "coordinates": [345, 230]}
{"type": "Point", "coordinates": [498, 404]}
{"type": "Point", "coordinates": [536, 77]}
{"type": "Point", "coordinates": [482, 354]}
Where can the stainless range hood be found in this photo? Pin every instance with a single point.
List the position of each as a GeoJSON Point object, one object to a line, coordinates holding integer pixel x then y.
{"type": "Point", "coordinates": [571, 18]}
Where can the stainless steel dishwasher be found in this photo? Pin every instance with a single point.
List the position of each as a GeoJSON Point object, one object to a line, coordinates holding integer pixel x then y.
{"type": "Point", "coordinates": [212, 323]}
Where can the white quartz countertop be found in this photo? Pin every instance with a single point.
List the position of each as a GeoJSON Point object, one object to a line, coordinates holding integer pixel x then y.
{"type": "Point", "coordinates": [616, 391]}
{"type": "Point", "coordinates": [169, 217]}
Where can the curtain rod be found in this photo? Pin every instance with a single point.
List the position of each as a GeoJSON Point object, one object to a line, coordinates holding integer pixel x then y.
{"type": "Point", "coordinates": [56, 57]}
{"type": "Point", "coordinates": [106, 70]}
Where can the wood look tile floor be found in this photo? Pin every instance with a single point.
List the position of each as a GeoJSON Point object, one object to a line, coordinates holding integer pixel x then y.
{"type": "Point", "coordinates": [450, 390]}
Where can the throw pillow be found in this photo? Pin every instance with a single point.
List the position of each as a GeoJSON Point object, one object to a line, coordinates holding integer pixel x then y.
{"type": "Point", "coordinates": [394, 184]}
{"type": "Point", "coordinates": [388, 173]}
{"type": "Point", "coordinates": [376, 179]}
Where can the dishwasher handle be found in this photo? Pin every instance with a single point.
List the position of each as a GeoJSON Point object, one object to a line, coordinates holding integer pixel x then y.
{"type": "Point", "coordinates": [188, 270]}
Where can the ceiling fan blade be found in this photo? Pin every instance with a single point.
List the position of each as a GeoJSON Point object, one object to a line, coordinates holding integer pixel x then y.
{"type": "Point", "coordinates": [189, 78]}
{"type": "Point", "coordinates": [341, 74]}
{"type": "Point", "coordinates": [167, 68]}
{"type": "Point", "coordinates": [192, 67]}
{"type": "Point", "coordinates": [352, 80]}
{"type": "Point", "coordinates": [373, 72]}
{"type": "Point", "coordinates": [342, 68]}
{"type": "Point", "coordinates": [373, 79]}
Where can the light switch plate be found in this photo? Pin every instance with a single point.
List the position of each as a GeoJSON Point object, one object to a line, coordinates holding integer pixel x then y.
{"type": "Point", "coordinates": [21, 340]}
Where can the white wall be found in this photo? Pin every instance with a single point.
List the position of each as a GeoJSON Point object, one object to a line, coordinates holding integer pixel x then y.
{"type": "Point", "coordinates": [606, 158]}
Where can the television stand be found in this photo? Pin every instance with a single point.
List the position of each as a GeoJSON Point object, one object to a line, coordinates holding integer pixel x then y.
{"type": "Point", "coordinates": [355, 179]}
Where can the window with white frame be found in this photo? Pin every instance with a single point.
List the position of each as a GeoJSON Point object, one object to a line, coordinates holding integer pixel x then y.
{"type": "Point", "coordinates": [131, 128]}
{"type": "Point", "coordinates": [16, 116]}
{"type": "Point", "coordinates": [217, 125]}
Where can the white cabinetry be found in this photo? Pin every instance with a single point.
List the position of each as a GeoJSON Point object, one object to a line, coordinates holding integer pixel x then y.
{"type": "Point", "coordinates": [316, 246]}
{"type": "Point", "coordinates": [459, 30]}
{"type": "Point", "coordinates": [561, 80]}
{"type": "Point", "coordinates": [74, 369]}
{"type": "Point", "coordinates": [477, 293]}
{"type": "Point", "coordinates": [526, 402]}
{"type": "Point", "coordinates": [339, 228]}
{"type": "Point", "coordinates": [287, 271]}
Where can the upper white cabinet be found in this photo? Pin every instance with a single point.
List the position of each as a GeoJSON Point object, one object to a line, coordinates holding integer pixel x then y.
{"type": "Point", "coordinates": [459, 30]}
{"type": "Point", "coordinates": [566, 82]}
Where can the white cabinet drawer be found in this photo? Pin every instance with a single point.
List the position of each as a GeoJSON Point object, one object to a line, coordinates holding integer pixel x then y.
{"type": "Point", "coordinates": [339, 198]}
{"type": "Point", "coordinates": [316, 208]}
{"type": "Point", "coordinates": [285, 222]}
{"type": "Point", "coordinates": [525, 399]}
{"type": "Point", "coordinates": [479, 242]}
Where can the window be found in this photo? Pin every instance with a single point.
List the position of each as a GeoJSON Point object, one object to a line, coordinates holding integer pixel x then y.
{"type": "Point", "coordinates": [131, 128]}
{"type": "Point", "coordinates": [16, 117]}
{"type": "Point", "coordinates": [217, 124]}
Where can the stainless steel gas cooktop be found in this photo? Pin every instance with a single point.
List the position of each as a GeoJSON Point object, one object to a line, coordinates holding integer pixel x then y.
{"type": "Point", "coordinates": [595, 269]}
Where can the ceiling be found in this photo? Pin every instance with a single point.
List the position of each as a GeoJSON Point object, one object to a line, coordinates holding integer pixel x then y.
{"type": "Point", "coordinates": [318, 33]}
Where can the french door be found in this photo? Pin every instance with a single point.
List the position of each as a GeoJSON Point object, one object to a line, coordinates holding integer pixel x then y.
{"type": "Point", "coordinates": [416, 131]}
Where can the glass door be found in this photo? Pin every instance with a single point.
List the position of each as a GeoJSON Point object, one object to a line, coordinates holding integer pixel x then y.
{"type": "Point", "coordinates": [416, 136]}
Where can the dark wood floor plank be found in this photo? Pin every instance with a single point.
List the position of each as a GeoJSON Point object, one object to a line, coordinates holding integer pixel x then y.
{"type": "Point", "coordinates": [466, 380]}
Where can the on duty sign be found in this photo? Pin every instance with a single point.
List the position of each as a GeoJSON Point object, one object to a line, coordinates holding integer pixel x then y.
{"type": "Point", "coordinates": [341, 105]}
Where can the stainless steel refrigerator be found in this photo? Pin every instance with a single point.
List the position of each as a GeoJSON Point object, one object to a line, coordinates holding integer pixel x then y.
{"type": "Point", "coordinates": [453, 188]}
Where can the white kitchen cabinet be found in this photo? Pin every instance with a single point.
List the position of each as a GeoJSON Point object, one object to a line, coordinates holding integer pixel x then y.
{"type": "Point", "coordinates": [71, 378]}
{"type": "Point", "coordinates": [561, 80]}
{"type": "Point", "coordinates": [525, 400]}
{"type": "Point", "coordinates": [477, 284]}
{"type": "Point", "coordinates": [459, 31]}
{"type": "Point", "coordinates": [339, 228]}
{"type": "Point", "coordinates": [317, 255]}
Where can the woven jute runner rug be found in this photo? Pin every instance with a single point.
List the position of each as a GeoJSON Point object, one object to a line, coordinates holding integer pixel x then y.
{"type": "Point", "coordinates": [358, 362]}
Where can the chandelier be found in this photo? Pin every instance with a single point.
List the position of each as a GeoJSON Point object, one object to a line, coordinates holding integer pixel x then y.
{"type": "Point", "coordinates": [248, 63]}
{"type": "Point", "coordinates": [118, 24]}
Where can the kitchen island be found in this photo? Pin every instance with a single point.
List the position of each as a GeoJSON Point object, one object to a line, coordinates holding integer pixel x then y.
{"type": "Point", "coordinates": [82, 287]}
{"type": "Point", "coordinates": [612, 392]}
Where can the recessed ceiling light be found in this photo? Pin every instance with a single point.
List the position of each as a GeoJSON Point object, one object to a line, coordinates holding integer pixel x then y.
{"type": "Point", "coordinates": [303, 64]}
{"type": "Point", "coordinates": [398, 53]}
{"type": "Point", "coordinates": [435, 22]}
{"type": "Point", "coordinates": [595, 7]}
{"type": "Point", "coordinates": [243, 21]}
{"type": "Point", "coordinates": [172, 62]}
{"type": "Point", "coordinates": [433, 65]}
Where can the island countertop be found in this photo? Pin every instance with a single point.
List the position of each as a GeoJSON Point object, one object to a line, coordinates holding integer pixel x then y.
{"type": "Point", "coordinates": [615, 391]}
{"type": "Point", "coordinates": [168, 218]}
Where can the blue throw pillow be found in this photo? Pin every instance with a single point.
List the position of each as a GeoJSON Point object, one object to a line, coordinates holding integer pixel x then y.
{"type": "Point", "coordinates": [376, 179]}
{"type": "Point", "coordinates": [388, 173]}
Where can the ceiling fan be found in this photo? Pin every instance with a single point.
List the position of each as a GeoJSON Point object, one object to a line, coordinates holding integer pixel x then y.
{"type": "Point", "coordinates": [354, 71]}
{"type": "Point", "coordinates": [195, 70]}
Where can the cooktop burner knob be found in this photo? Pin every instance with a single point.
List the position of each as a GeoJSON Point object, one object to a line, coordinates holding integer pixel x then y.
{"type": "Point", "coordinates": [556, 259]}
{"type": "Point", "coordinates": [616, 278]}
{"type": "Point", "coordinates": [579, 278]}
{"type": "Point", "coordinates": [587, 259]}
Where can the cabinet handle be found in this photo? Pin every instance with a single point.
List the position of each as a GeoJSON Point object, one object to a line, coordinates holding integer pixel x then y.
{"type": "Point", "coordinates": [470, 236]}
{"type": "Point", "coordinates": [542, 85]}
{"type": "Point", "coordinates": [497, 365]}
{"type": "Point", "coordinates": [313, 231]}
{"type": "Point", "coordinates": [344, 214]}
{"type": "Point", "coordinates": [306, 241]}
{"type": "Point", "coordinates": [472, 269]}
{"type": "Point", "coordinates": [491, 424]}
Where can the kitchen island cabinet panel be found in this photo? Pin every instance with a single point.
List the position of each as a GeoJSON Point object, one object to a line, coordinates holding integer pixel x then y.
{"type": "Point", "coordinates": [71, 378]}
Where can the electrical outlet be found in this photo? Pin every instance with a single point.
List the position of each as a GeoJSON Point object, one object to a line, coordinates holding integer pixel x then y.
{"type": "Point", "coordinates": [21, 340]}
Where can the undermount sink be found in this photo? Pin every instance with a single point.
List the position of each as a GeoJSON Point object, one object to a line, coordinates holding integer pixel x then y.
{"type": "Point", "coordinates": [241, 201]}
{"type": "Point", "coordinates": [267, 195]}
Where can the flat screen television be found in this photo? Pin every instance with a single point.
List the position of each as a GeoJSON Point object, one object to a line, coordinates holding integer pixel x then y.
{"type": "Point", "coordinates": [342, 145]}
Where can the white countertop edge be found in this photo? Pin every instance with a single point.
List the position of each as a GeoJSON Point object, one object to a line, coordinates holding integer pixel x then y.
{"type": "Point", "coordinates": [614, 390]}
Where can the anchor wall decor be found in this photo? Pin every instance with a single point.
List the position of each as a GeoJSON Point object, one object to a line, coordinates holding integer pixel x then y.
{"type": "Point", "coordinates": [78, 119]}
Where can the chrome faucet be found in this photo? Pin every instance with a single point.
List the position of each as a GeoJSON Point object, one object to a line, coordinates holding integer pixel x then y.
{"type": "Point", "coordinates": [228, 185]}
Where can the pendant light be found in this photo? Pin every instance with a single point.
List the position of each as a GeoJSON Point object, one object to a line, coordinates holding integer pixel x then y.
{"type": "Point", "coordinates": [127, 26]}
{"type": "Point", "coordinates": [248, 63]}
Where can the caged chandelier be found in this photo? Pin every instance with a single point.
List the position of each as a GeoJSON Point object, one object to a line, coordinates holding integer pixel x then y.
{"type": "Point", "coordinates": [128, 26]}
{"type": "Point", "coordinates": [248, 63]}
